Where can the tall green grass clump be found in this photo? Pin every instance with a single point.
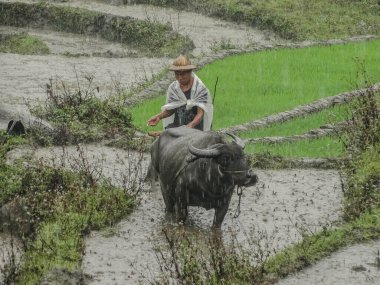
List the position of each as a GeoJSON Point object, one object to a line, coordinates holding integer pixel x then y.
{"type": "Point", "coordinates": [23, 44]}
{"type": "Point", "coordinates": [363, 146]}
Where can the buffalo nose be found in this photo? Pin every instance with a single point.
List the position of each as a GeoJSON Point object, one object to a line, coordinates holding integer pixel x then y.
{"type": "Point", "coordinates": [251, 175]}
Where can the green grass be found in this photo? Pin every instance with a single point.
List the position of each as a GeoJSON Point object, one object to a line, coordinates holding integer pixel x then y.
{"type": "Point", "coordinates": [326, 147]}
{"type": "Point", "coordinates": [259, 84]}
{"type": "Point", "coordinates": [299, 126]}
{"type": "Point", "coordinates": [293, 19]}
{"type": "Point", "coordinates": [23, 44]}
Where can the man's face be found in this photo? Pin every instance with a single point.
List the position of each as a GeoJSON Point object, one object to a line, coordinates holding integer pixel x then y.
{"type": "Point", "coordinates": [183, 77]}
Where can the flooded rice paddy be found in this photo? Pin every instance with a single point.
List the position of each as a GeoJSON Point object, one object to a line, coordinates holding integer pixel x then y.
{"type": "Point", "coordinates": [279, 209]}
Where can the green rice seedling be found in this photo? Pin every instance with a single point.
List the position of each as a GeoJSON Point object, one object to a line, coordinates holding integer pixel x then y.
{"type": "Point", "coordinates": [255, 85]}
{"type": "Point", "coordinates": [327, 147]}
{"type": "Point", "coordinates": [259, 84]}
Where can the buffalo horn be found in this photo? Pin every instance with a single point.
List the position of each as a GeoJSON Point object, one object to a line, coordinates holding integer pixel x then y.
{"type": "Point", "coordinates": [238, 140]}
{"type": "Point", "coordinates": [211, 151]}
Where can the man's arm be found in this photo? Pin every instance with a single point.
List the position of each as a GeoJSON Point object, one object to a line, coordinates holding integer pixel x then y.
{"type": "Point", "coordinates": [155, 119]}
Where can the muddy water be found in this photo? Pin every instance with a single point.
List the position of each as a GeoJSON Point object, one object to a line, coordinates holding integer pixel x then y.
{"type": "Point", "coordinates": [290, 201]}
{"type": "Point", "coordinates": [24, 77]}
{"type": "Point", "coordinates": [279, 209]}
{"type": "Point", "coordinates": [356, 265]}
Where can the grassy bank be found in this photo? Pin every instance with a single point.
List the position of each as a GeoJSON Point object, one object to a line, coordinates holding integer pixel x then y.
{"type": "Point", "coordinates": [77, 205]}
{"type": "Point", "coordinates": [57, 209]}
{"type": "Point", "coordinates": [255, 85]}
{"type": "Point", "coordinates": [293, 19]}
{"type": "Point", "coordinates": [149, 37]}
{"type": "Point", "coordinates": [23, 44]}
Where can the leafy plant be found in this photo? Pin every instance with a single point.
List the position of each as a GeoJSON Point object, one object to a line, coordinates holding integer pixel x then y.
{"type": "Point", "coordinates": [23, 44]}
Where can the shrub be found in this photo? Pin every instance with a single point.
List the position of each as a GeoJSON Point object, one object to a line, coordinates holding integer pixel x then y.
{"type": "Point", "coordinates": [78, 115]}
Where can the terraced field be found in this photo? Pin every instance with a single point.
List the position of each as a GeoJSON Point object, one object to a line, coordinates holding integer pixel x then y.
{"type": "Point", "coordinates": [287, 99]}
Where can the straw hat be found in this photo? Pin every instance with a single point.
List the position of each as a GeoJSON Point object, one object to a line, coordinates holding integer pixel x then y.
{"type": "Point", "coordinates": [182, 63]}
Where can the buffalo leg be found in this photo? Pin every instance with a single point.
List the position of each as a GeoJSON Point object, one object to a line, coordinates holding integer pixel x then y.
{"type": "Point", "coordinates": [180, 203]}
{"type": "Point", "coordinates": [168, 199]}
{"type": "Point", "coordinates": [220, 213]}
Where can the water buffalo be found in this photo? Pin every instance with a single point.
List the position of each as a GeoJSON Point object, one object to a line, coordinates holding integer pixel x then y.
{"type": "Point", "coordinates": [198, 168]}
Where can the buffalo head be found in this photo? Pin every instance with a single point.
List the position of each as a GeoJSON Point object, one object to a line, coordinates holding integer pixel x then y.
{"type": "Point", "coordinates": [230, 161]}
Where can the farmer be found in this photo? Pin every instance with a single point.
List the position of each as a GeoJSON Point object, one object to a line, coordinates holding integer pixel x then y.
{"type": "Point", "coordinates": [188, 101]}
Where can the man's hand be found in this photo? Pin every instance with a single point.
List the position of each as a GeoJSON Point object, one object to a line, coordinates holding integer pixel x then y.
{"type": "Point", "coordinates": [154, 120]}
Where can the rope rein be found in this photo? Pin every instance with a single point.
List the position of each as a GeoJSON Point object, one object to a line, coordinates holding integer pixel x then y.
{"type": "Point", "coordinates": [239, 192]}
